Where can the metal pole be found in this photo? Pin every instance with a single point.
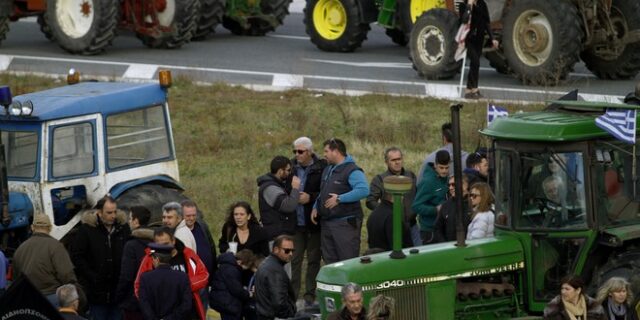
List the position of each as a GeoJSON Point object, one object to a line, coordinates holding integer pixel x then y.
{"type": "Point", "coordinates": [460, 89]}
{"type": "Point", "coordinates": [4, 189]}
{"type": "Point", "coordinates": [457, 173]}
{"type": "Point", "coordinates": [397, 186]}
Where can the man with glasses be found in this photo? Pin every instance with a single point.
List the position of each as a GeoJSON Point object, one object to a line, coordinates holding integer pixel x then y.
{"type": "Point", "coordinates": [308, 168]}
{"type": "Point", "coordinates": [338, 206]}
{"type": "Point", "coordinates": [274, 293]}
{"type": "Point", "coordinates": [277, 206]}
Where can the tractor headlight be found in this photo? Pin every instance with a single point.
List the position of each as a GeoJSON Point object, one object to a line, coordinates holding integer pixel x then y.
{"type": "Point", "coordinates": [27, 108]}
{"type": "Point", "coordinates": [15, 109]}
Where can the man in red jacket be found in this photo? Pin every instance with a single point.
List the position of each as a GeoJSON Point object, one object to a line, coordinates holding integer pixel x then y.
{"type": "Point", "coordinates": [182, 259]}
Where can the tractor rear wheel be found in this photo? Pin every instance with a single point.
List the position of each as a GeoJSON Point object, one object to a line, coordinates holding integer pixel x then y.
{"type": "Point", "coordinates": [277, 9]}
{"type": "Point", "coordinates": [82, 26]}
{"type": "Point", "coordinates": [432, 45]}
{"type": "Point", "coordinates": [150, 196]}
{"type": "Point", "coordinates": [335, 25]}
{"type": "Point", "coordinates": [181, 17]}
{"type": "Point", "coordinates": [542, 40]}
{"type": "Point", "coordinates": [411, 10]}
{"type": "Point", "coordinates": [618, 60]}
{"type": "Point", "coordinates": [397, 36]}
{"type": "Point", "coordinates": [211, 12]}
{"type": "Point", "coordinates": [625, 265]}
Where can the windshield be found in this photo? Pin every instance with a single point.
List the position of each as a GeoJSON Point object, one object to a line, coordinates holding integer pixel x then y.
{"type": "Point", "coordinates": [552, 194]}
{"type": "Point", "coordinates": [21, 153]}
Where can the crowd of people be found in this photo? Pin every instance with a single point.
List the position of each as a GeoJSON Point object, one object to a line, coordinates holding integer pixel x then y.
{"type": "Point", "coordinates": [119, 267]}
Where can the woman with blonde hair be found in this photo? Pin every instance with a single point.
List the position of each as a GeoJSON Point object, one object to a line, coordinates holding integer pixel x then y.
{"type": "Point", "coordinates": [616, 297]}
{"type": "Point", "coordinates": [482, 218]}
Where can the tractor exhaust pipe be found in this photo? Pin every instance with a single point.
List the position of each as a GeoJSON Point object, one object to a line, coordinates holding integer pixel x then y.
{"type": "Point", "coordinates": [457, 173]}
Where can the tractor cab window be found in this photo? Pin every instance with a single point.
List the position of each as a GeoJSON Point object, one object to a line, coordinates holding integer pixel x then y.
{"type": "Point", "coordinates": [504, 186]}
{"type": "Point", "coordinates": [21, 153]}
{"type": "Point", "coordinates": [553, 191]}
{"type": "Point", "coordinates": [137, 137]}
{"type": "Point", "coordinates": [614, 172]}
{"type": "Point", "coordinates": [73, 150]}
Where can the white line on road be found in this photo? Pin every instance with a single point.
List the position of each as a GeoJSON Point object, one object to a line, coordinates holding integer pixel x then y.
{"type": "Point", "coordinates": [399, 65]}
{"type": "Point", "coordinates": [140, 71]}
{"type": "Point", "coordinates": [5, 61]}
{"type": "Point", "coordinates": [287, 80]}
{"type": "Point", "coordinates": [284, 36]}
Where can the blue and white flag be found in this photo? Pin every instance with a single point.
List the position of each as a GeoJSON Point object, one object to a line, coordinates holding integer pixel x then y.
{"type": "Point", "coordinates": [621, 123]}
{"type": "Point", "coordinates": [494, 112]}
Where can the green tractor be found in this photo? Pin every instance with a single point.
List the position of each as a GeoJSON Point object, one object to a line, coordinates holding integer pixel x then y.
{"type": "Point", "coordinates": [342, 25]}
{"type": "Point", "coordinates": [588, 225]}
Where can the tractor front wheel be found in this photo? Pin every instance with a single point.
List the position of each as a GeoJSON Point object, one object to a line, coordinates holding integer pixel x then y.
{"type": "Point", "coordinates": [211, 12]}
{"type": "Point", "coordinates": [617, 59]}
{"type": "Point", "coordinates": [179, 18]}
{"type": "Point", "coordinates": [432, 45]}
{"type": "Point", "coordinates": [542, 40]}
{"type": "Point", "coordinates": [82, 26]}
{"type": "Point", "coordinates": [411, 10]}
{"type": "Point", "coordinates": [335, 25]}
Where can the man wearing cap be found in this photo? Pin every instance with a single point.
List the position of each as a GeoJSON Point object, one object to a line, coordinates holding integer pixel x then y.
{"type": "Point", "coordinates": [183, 260]}
{"type": "Point", "coordinates": [164, 293]}
{"type": "Point", "coordinates": [97, 254]}
{"type": "Point", "coordinates": [43, 260]}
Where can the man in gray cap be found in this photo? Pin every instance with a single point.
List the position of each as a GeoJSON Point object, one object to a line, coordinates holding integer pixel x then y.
{"type": "Point", "coordinates": [44, 260]}
{"type": "Point", "coordinates": [164, 293]}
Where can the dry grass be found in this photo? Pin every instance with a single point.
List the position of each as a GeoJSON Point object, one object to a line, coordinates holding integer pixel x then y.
{"type": "Point", "coordinates": [226, 136]}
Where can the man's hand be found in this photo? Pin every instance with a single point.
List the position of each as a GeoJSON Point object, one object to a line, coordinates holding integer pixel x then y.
{"type": "Point", "coordinates": [332, 201]}
{"type": "Point", "coordinates": [495, 44]}
{"type": "Point", "coordinates": [304, 198]}
{"type": "Point", "coordinates": [314, 216]}
{"type": "Point", "coordinates": [295, 182]}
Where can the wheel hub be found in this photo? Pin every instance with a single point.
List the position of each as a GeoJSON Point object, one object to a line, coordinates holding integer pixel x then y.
{"type": "Point", "coordinates": [534, 38]}
{"type": "Point", "coordinates": [335, 17]}
{"type": "Point", "coordinates": [330, 19]}
{"type": "Point", "coordinates": [160, 5]}
{"type": "Point", "coordinates": [85, 8]}
{"type": "Point", "coordinates": [431, 45]}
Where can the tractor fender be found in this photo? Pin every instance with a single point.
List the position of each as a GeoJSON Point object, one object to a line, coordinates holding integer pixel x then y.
{"type": "Point", "coordinates": [20, 211]}
{"type": "Point", "coordinates": [368, 11]}
{"type": "Point", "coordinates": [162, 180]}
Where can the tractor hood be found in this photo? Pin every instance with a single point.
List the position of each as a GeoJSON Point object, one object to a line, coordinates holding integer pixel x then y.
{"type": "Point", "coordinates": [425, 264]}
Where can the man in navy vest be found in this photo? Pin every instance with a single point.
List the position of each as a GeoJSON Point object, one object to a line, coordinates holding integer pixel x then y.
{"type": "Point", "coordinates": [338, 206]}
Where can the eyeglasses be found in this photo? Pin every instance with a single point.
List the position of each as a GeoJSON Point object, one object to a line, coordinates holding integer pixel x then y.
{"type": "Point", "coordinates": [474, 195]}
{"type": "Point", "coordinates": [299, 151]}
{"type": "Point", "coordinates": [288, 251]}
{"type": "Point", "coordinates": [452, 184]}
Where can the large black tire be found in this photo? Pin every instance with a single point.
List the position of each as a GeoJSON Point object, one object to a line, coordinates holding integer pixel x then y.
{"type": "Point", "coordinates": [4, 21]}
{"type": "Point", "coordinates": [150, 196]}
{"type": "Point", "coordinates": [211, 12]}
{"type": "Point", "coordinates": [277, 9]}
{"type": "Point", "coordinates": [397, 36]}
{"type": "Point", "coordinates": [498, 62]}
{"type": "Point", "coordinates": [625, 265]}
{"type": "Point", "coordinates": [181, 16]}
{"type": "Point", "coordinates": [432, 45]}
{"type": "Point", "coordinates": [344, 35]}
{"type": "Point", "coordinates": [542, 40]}
{"type": "Point", "coordinates": [625, 15]}
{"type": "Point", "coordinates": [44, 27]}
{"type": "Point", "coordinates": [87, 30]}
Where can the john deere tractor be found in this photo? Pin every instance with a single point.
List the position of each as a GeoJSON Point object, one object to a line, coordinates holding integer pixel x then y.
{"type": "Point", "coordinates": [567, 202]}
{"type": "Point", "coordinates": [89, 26]}
{"type": "Point", "coordinates": [541, 40]}
{"type": "Point", "coordinates": [342, 25]}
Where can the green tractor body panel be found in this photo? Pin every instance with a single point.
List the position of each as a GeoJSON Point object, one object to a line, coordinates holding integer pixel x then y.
{"type": "Point", "coordinates": [616, 237]}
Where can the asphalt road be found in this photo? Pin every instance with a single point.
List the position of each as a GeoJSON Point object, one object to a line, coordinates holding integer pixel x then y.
{"type": "Point", "coordinates": [283, 59]}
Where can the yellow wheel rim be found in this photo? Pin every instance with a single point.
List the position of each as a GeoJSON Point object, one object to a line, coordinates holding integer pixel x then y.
{"type": "Point", "coordinates": [330, 19]}
{"type": "Point", "coordinates": [417, 7]}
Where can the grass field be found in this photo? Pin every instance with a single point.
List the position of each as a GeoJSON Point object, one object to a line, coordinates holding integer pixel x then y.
{"type": "Point", "coordinates": [226, 136]}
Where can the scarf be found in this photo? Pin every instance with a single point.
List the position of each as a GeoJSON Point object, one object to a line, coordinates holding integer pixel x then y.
{"type": "Point", "coordinates": [576, 310]}
{"type": "Point", "coordinates": [616, 310]}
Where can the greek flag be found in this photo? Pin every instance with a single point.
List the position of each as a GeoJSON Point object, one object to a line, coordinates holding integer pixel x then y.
{"type": "Point", "coordinates": [621, 123]}
{"type": "Point", "coordinates": [494, 112]}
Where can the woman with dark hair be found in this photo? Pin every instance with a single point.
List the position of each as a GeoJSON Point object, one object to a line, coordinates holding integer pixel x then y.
{"type": "Point", "coordinates": [482, 217]}
{"type": "Point", "coordinates": [616, 298]}
{"type": "Point", "coordinates": [242, 230]}
{"type": "Point", "coordinates": [228, 295]}
{"type": "Point", "coordinates": [573, 303]}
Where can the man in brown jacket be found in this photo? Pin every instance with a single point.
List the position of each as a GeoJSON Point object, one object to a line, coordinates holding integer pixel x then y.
{"type": "Point", "coordinates": [43, 260]}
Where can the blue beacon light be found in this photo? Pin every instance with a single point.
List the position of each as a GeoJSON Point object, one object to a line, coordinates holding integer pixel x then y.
{"type": "Point", "coordinates": [5, 96]}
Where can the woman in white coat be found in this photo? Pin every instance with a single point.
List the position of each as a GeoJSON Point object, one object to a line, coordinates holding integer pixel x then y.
{"type": "Point", "coordinates": [481, 199]}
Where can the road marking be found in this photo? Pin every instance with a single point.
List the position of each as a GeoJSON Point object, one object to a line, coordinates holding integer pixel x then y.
{"type": "Point", "coordinates": [287, 80]}
{"type": "Point", "coordinates": [140, 71]}
{"type": "Point", "coordinates": [399, 65]}
{"type": "Point", "coordinates": [5, 61]}
{"type": "Point", "coordinates": [437, 89]}
{"type": "Point", "coordinates": [284, 36]}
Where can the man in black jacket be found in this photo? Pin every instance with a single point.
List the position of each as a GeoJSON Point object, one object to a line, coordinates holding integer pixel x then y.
{"type": "Point", "coordinates": [445, 225]}
{"type": "Point", "coordinates": [133, 252]}
{"type": "Point", "coordinates": [380, 226]}
{"type": "Point", "coordinates": [308, 168]}
{"type": "Point", "coordinates": [96, 254]}
{"type": "Point", "coordinates": [277, 205]}
{"type": "Point", "coordinates": [274, 293]}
